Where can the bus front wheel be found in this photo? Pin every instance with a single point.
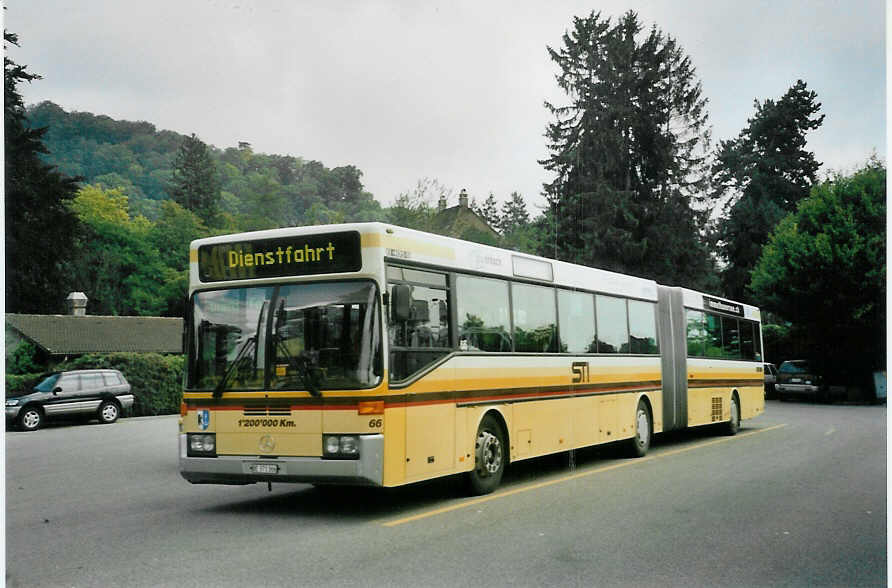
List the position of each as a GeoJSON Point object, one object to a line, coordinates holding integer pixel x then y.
{"type": "Point", "coordinates": [490, 457]}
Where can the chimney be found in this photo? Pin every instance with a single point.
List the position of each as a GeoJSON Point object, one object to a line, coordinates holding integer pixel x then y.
{"type": "Point", "coordinates": [463, 198]}
{"type": "Point", "coordinates": [76, 302]}
{"type": "Point", "coordinates": [441, 205]}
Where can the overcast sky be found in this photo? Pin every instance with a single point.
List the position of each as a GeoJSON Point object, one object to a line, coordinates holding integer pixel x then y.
{"type": "Point", "coordinates": [452, 91]}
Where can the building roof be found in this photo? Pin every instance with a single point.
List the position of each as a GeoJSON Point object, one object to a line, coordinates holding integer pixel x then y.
{"type": "Point", "coordinates": [70, 335]}
{"type": "Point", "coordinates": [458, 220]}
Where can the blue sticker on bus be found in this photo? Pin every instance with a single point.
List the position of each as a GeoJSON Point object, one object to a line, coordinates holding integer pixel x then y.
{"type": "Point", "coordinates": [204, 419]}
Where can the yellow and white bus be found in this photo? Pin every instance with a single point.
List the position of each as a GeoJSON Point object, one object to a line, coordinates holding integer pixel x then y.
{"type": "Point", "coordinates": [377, 355]}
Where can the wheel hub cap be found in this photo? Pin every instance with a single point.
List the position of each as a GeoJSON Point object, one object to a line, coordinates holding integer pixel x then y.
{"type": "Point", "coordinates": [643, 429]}
{"type": "Point", "coordinates": [489, 454]}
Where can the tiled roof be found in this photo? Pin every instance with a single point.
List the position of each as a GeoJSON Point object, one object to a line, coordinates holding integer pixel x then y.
{"type": "Point", "coordinates": [456, 220]}
{"type": "Point", "coordinates": [66, 334]}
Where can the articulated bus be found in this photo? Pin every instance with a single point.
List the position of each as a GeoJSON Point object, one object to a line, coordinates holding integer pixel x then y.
{"type": "Point", "coordinates": [371, 354]}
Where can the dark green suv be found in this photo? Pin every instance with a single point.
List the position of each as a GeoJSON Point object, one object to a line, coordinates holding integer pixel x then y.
{"type": "Point", "coordinates": [102, 394]}
{"type": "Point", "coordinates": [801, 378]}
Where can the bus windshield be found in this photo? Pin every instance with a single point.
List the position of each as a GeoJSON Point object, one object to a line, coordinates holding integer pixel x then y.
{"type": "Point", "coordinates": [293, 337]}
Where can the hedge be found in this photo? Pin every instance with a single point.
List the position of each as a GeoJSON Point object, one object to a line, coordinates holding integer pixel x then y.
{"type": "Point", "coordinates": [156, 380]}
{"type": "Point", "coordinates": [20, 383]}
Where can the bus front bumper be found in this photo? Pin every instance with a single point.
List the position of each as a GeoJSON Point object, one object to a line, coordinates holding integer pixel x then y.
{"type": "Point", "coordinates": [249, 469]}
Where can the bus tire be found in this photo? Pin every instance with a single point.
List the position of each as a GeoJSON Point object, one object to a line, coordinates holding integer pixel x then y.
{"type": "Point", "coordinates": [733, 425]}
{"type": "Point", "coordinates": [640, 443]}
{"type": "Point", "coordinates": [490, 457]}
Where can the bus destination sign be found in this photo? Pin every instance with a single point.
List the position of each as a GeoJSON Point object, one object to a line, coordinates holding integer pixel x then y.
{"type": "Point", "coordinates": [722, 306]}
{"type": "Point", "coordinates": [326, 253]}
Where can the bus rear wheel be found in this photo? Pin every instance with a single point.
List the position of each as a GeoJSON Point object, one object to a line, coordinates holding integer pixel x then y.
{"type": "Point", "coordinates": [490, 457]}
{"type": "Point", "coordinates": [733, 425]}
{"type": "Point", "coordinates": [640, 443]}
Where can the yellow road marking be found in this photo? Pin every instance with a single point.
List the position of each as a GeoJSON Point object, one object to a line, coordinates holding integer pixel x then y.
{"type": "Point", "coordinates": [567, 478]}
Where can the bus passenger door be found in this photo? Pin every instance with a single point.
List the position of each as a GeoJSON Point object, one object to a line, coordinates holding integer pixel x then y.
{"type": "Point", "coordinates": [419, 341]}
{"type": "Point", "coordinates": [430, 425]}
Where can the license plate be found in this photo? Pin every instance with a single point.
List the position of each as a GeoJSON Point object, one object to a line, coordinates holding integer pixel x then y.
{"type": "Point", "coordinates": [265, 468]}
{"type": "Point", "coordinates": [795, 380]}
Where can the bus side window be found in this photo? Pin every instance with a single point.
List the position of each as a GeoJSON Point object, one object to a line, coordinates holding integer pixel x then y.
{"type": "Point", "coordinates": [750, 340]}
{"type": "Point", "coordinates": [576, 321]}
{"type": "Point", "coordinates": [696, 330]}
{"type": "Point", "coordinates": [713, 335]}
{"type": "Point", "coordinates": [535, 318]}
{"type": "Point", "coordinates": [730, 338]}
{"type": "Point", "coordinates": [747, 344]}
{"type": "Point", "coordinates": [613, 324]}
{"type": "Point", "coordinates": [483, 314]}
{"type": "Point", "coordinates": [419, 321]}
{"type": "Point", "coordinates": [422, 320]}
{"type": "Point", "coordinates": [643, 327]}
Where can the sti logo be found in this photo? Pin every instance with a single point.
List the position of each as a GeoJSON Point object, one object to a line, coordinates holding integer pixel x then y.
{"type": "Point", "coordinates": [204, 419]}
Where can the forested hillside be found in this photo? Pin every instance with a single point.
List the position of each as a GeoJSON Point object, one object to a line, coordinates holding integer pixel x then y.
{"type": "Point", "coordinates": [141, 195]}
{"type": "Point", "coordinates": [256, 190]}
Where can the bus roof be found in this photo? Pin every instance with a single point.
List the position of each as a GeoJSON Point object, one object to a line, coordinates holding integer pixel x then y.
{"type": "Point", "coordinates": [398, 244]}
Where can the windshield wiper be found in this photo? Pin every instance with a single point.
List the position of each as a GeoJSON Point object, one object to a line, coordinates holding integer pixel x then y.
{"type": "Point", "coordinates": [309, 371]}
{"type": "Point", "coordinates": [250, 343]}
{"type": "Point", "coordinates": [307, 367]}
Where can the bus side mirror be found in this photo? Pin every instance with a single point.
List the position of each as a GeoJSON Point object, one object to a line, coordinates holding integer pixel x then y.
{"type": "Point", "coordinates": [400, 303]}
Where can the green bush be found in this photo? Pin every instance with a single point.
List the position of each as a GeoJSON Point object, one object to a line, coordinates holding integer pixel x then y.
{"type": "Point", "coordinates": [156, 380]}
{"type": "Point", "coordinates": [24, 359]}
{"type": "Point", "coordinates": [21, 383]}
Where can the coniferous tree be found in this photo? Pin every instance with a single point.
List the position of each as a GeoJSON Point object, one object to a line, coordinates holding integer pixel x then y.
{"type": "Point", "coordinates": [195, 184]}
{"type": "Point", "coordinates": [39, 226]}
{"type": "Point", "coordinates": [490, 212]}
{"type": "Point", "coordinates": [628, 153]}
{"type": "Point", "coordinates": [763, 173]}
{"type": "Point", "coordinates": [514, 214]}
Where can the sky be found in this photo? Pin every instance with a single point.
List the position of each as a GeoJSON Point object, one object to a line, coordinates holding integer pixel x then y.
{"type": "Point", "coordinates": [450, 91]}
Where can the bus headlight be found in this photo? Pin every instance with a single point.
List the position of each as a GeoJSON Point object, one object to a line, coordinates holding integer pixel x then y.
{"type": "Point", "coordinates": [332, 443]}
{"type": "Point", "coordinates": [201, 445]}
{"type": "Point", "coordinates": [340, 446]}
{"type": "Point", "coordinates": [349, 445]}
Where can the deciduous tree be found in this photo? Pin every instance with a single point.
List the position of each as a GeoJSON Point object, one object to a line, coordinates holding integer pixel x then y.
{"type": "Point", "coordinates": [115, 260]}
{"type": "Point", "coordinates": [824, 268]}
{"type": "Point", "coordinates": [414, 209]}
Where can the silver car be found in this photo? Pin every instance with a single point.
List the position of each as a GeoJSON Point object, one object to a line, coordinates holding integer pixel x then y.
{"type": "Point", "coordinates": [770, 373]}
